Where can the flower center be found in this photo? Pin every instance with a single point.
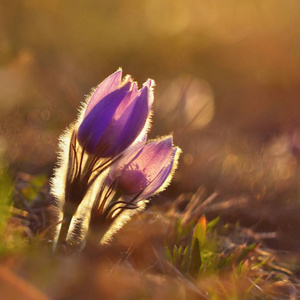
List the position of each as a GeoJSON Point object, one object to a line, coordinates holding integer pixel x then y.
{"type": "Point", "coordinates": [133, 180]}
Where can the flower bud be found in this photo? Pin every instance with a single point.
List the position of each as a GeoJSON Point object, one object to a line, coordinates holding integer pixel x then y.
{"type": "Point", "coordinates": [115, 115]}
{"type": "Point", "coordinates": [150, 170]}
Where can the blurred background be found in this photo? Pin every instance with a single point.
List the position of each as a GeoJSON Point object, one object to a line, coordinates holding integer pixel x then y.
{"type": "Point", "coordinates": [227, 87]}
{"type": "Point", "coordinates": [227, 82]}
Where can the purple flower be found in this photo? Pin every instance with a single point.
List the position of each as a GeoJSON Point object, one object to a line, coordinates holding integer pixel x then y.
{"type": "Point", "coordinates": [115, 115]}
{"type": "Point", "coordinates": [149, 171]}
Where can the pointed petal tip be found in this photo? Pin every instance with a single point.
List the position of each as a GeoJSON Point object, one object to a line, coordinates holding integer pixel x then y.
{"type": "Point", "coordinates": [149, 83]}
{"type": "Point", "coordinates": [147, 86]}
{"type": "Point", "coordinates": [146, 94]}
{"type": "Point", "coordinates": [127, 78]}
{"type": "Point", "coordinates": [134, 87]}
{"type": "Point", "coordinates": [169, 142]}
{"type": "Point", "coordinates": [168, 139]}
{"type": "Point", "coordinates": [119, 70]}
{"type": "Point", "coordinates": [117, 76]}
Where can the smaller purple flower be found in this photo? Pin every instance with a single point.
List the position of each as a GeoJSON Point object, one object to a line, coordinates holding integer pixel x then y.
{"type": "Point", "coordinates": [149, 171]}
{"type": "Point", "coordinates": [116, 114]}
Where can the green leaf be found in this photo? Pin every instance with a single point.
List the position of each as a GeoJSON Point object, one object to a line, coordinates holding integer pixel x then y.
{"type": "Point", "coordinates": [240, 269]}
{"type": "Point", "coordinates": [200, 231]}
{"type": "Point", "coordinates": [246, 251]}
{"type": "Point", "coordinates": [198, 240]}
{"type": "Point", "coordinates": [176, 254]}
{"type": "Point", "coordinates": [184, 262]}
{"type": "Point", "coordinates": [211, 225]}
{"type": "Point", "coordinates": [195, 258]}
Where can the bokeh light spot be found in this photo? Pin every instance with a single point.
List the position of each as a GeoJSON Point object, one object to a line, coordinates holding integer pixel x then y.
{"type": "Point", "coordinates": [45, 115]}
{"type": "Point", "coordinates": [188, 159]}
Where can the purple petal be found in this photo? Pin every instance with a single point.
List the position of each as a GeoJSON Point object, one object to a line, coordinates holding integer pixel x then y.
{"type": "Point", "coordinates": [107, 86]}
{"type": "Point", "coordinates": [126, 102]}
{"type": "Point", "coordinates": [132, 121]}
{"type": "Point", "coordinates": [159, 180]}
{"type": "Point", "coordinates": [154, 157]}
{"type": "Point", "coordinates": [149, 84]}
{"type": "Point", "coordinates": [96, 122]}
{"type": "Point", "coordinates": [145, 166]}
{"type": "Point", "coordinates": [116, 125]}
{"type": "Point", "coordinates": [128, 155]}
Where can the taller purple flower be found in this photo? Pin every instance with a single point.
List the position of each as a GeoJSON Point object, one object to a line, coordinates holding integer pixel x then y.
{"type": "Point", "coordinates": [115, 115]}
